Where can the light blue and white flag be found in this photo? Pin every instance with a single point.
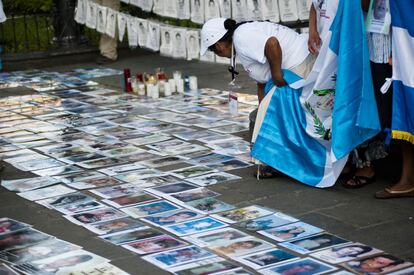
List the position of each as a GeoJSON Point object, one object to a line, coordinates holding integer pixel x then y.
{"type": "Point", "coordinates": [312, 125]}
{"type": "Point", "coordinates": [402, 21]}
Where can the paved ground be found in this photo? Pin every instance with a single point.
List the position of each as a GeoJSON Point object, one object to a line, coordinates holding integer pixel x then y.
{"type": "Point", "coordinates": [353, 214]}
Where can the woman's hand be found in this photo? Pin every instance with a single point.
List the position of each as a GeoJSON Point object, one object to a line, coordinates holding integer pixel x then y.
{"type": "Point", "coordinates": [314, 42]}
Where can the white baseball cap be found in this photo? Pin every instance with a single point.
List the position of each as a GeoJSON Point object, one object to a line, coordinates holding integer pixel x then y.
{"type": "Point", "coordinates": [211, 32]}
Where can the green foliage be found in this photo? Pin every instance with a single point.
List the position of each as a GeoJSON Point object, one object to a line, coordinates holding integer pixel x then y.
{"type": "Point", "coordinates": [27, 6]}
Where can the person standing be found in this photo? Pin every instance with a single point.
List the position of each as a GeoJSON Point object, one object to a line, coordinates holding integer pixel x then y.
{"type": "Point", "coordinates": [107, 44]}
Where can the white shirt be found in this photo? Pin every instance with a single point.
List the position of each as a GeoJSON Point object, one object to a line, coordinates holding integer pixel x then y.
{"type": "Point", "coordinates": [325, 13]}
{"type": "Point", "coordinates": [249, 42]}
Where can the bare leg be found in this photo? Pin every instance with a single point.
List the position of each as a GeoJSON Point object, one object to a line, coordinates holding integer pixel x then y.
{"type": "Point", "coordinates": [407, 176]}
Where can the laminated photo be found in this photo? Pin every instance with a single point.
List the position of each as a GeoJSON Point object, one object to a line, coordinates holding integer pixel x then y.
{"type": "Point", "coordinates": [101, 19]}
{"type": "Point", "coordinates": [379, 264]}
{"type": "Point", "coordinates": [291, 232]}
{"type": "Point", "coordinates": [239, 10]}
{"type": "Point", "coordinates": [163, 161]}
{"type": "Point", "coordinates": [165, 145]}
{"type": "Point", "coordinates": [137, 175]}
{"type": "Point", "coordinates": [96, 215]}
{"type": "Point", "coordinates": [129, 200]}
{"type": "Point", "coordinates": [156, 181]}
{"type": "Point", "coordinates": [28, 184]}
{"type": "Point", "coordinates": [78, 176]}
{"type": "Point", "coordinates": [111, 18]}
{"type": "Point", "coordinates": [171, 9]}
{"type": "Point", "coordinates": [35, 164]}
{"type": "Point", "coordinates": [288, 11]}
{"type": "Point", "coordinates": [58, 171]}
{"type": "Point", "coordinates": [123, 151]}
{"type": "Point", "coordinates": [9, 225]}
{"type": "Point", "coordinates": [111, 171]}
{"type": "Point", "coordinates": [131, 235]}
{"type": "Point", "coordinates": [225, 8]}
{"type": "Point", "coordinates": [62, 264]}
{"type": "Point", "coordinates": [80, 12]}
{"type": "Point", "coordinates": [255, 9]}
{"type": "Point", "coordinates": [66, 199]}
{"type": "Point", "coordinates": [46, 192]}
{"type": "Point", "coordinates": [209, 266]}
{"type": "Point", "coordinates": [146, 5]}
{"type": "Point", "coordinates": [348, 252]}
{"type": "Point", "coordinates": [211, 9]}
{"type": "Point", "coordinates": [211, 158]}
{"type": "Point", "coordinates": [195, 226]}
{"type": "Point", "coordinates": [314, 243]}
{"type": "Point", "coordinates": [158, 7]}
{"type": "Point", "coordinates": [101, 269]}
{"type": "Point", "coordinates": [214, 178]}
{"type": "Point", "coordinates": [172, 188]}
{"type": "Point", "coordinates": [197, 11]}
{"type": "Point", "coordinates": [230, 129]}
{"type": "Point", "coordinates": [114, 226]}
{"type": "Point", "coordinates": [166, 47]}
{"type": "Point", "coordinates": [151, 208]}
{"type": "Point", "coordinates": [157, 244]}
{"type": "Point", "coordinates": [179, 256]}
{"type": "Point", "coordinates": [241, 247]}
{"type": "Point", "coordinates": [243, 214]}
{"type": "Point", "coordinates": [117, 191]}
{"type": "Point", "coordinates": [229, 165]}
{"type": "Point", "coordinates": [172, 217]}
{"type": "Point", "coordinates": [179, 43]}
{"type": "Point", "coordinates": [153, 35]}
{"type": "Point", "coordinates": [306, 265]}
{"type": "Point", "coordinates": [148, 139]}
{"type": "Point", "coordinates": [191, 195]}
{"type": "Point", "coordinates": [79, 207]}
{"type": "Point", "coordinates": [267, 222]}
{"type": "Point", "coordinates": [209, 205]}
{"type": "Point", "coordinates": [99, 163]}
{"type": "Point", "coordinates": [191, 171]}
{"type": "Point", "coordinates": [38, 251]}
{"type": "Point", "coordinates": [303, 9]}
{"type": "Point", "coordinates": [266, 258]}
{"type": "Point", "coordinates": [185, 149]}
{"type": "Point", "coordinates": [183, 9]}
{"type": "Point", "coordinates": [94, 183]}
{"type": "Point", "coordinates": [22, 238]}
{"type": "Point", "coordinates": [91, 16]}
{"type": "Point", "coordinates": [215, 237]}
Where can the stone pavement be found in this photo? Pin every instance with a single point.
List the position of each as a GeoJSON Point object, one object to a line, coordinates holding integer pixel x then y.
{"type": "Point", "coordinates": [352, 214]}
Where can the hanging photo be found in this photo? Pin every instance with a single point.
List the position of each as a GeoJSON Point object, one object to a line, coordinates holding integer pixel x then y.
{"type": "Point", "coordinates": [270, 10]}
{"type": "Point", "coordinates": [170, 9]}
{"type": "Point", "coordinates": [159, 7]}
{"type": "Point", "coordinates": [211, 9]}
{"type": "Point", "coordinates": [91, 9]}
{"type": "Point", "coordinates": [239, 8]}
{"type": "Point", "coordinates": [146, 5]}
{"type": "Point", "coordinates": [225, 8]}
{"type": "Point", "coordinates": [142, 32]}
{"type": "Point", "coordinates": [111, 17]}
{"type": "Point", "coordinates": [378, 18]}
{"type": "Point", "coordinates": [132, 32]}
{"type": "Point", "coordinates": [197, 11]}
{"type": "Point", "coordinates": [122, 22]}
{"type": "Point", "coordinates": [303, 9]}
{"type": "Point", "coordinates": [288, 11]}
{"type": "Point", "coordinates": [254, 8]}
{"type": "Point", "coordinates": [101, 21]}
{"type": "Point", "coordinates": [80, 12]}
{"type": "Point", "coordinates": [179, 45]}
{"type": "Point", "coordinates": [166, 47]}
{"type": "Point", "coordinates": [183, 9]}
{"type": "Point", "coordinates": [153, 37]}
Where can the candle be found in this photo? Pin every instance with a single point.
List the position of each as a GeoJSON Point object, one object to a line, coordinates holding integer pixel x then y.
{"type": "Point", "coordinates": [167, 89]}
{"type": "Point", "coordinates": [180, 85]}
{"type": "Point", "coordinates": [155, 91]}
{"type": "Point", "coordinates": [172, 85]}
{"type": "Point", "coordinates": [193, 83]}
{"type": "Point", "coordinates": [149, 89]}
{"type": "Point", "coordinates": [141, 89]}
{"type": "Point", "coordinates": [177, 75]}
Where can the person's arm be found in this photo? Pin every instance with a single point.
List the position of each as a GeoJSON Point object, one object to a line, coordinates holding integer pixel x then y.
{"type": "Point", "coordinates": [365, 5]}
{"type": "Point", "coordinates": [260, 91]}
{"type": "Point", "coordinates": [314, 41]}
{"type": "Point", "coordinates": [273, 53]}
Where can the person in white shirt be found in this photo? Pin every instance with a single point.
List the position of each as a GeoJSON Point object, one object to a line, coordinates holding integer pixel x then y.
{"type": "Point", "coordinates": [263, 48]}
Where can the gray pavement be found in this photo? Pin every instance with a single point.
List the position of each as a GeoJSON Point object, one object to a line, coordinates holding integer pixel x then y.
{"type": "Point", "coordinates": [353, 214]}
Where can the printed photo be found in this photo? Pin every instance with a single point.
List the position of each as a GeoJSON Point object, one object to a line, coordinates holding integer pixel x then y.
{"type": "Point", "coordinates": [21, 239]}
{"type": "Point", "coordinates": [379, 264]}
{"type": "Point", "coordinates": [9, 225]}
{"type": "Point", "coordinates": [242, 246]}
{"type": "Point", "coordinates": [229, 165]}
{"type": "Point", "coordinates": [157, 244]}
{"type": "Point", "coordinates": [209, 205]}
{"type": "Point", "coordinates": [151, 208]}
{"type": "Point", "coordinates": [117, 191]}
{"type": "Point", "coordinates": [216, 237]}
{"type": "Point", "coordinates": [243, 214]}
{"type": "Point", "coordinates": [291, 232]}
{"type": "Point", "coordinates": [172, 217]}
{"type": "Point", "coordinates": [46, 192]}
{"type": "Point", "coordinates": [131, 235]}
{"type": "Point", "coordinates": [114, 226]}
{"type": "Point", "coordinates": [178, 256]}
{"type": "Point", "coordinates": [164, 161]}
{"type": "Point", "coordinates": [111, 171]}
{"type": "Point", "coordinates": [266, 258]}
{"type": "Point", "coordinates": [267, 222]}
{"type": "Point", "coordinates": [215, 265]}
{"type": "Point", "coordinates": [79, 207]}
{"type": "Point", "coordinates": [96, 215]}
{"type": "Point", "coordinates": [67, 199]}
{"type": "Point", "coordinates": [301, 266]}
{"type": "Point", "coordinates": [195, 194]}
{"type": "Point", "coordinates": [214, 178]}
{"type": "Point", "coordinates": [28, 184]}
{"type": "Point", "coordinates": [101, 269]}
{"type": "Point", "coordinates": [94, 183]}
{"type": "Point", "coordinates": [345, 253]}
{"type": "Point", "coordinates": [314, 243]}
{"type": "Point", "coordinates": [134, 199]}
{"type": "Point", "coordinates": [195, 226]}
{"type": "Point", "coordinates": [192, 171]}
{"type": "Point", "coordinates": [135, 176]}
{"type": "Point", "coordinates": [172, 188]}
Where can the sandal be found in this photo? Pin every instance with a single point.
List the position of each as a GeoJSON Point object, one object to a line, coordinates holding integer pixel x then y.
{"type": "Point", "coordinates": [388, 194]}
{"type": "Point", "coordinates": [266, 172]}
{"type": "Point", "coordinates": [360, 181]}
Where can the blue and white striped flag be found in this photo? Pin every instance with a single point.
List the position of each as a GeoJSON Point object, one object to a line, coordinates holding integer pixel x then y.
{"type": "Point", "coordinates": [402, 21]}
{"type": "Point", "coordinates": [312, 125]}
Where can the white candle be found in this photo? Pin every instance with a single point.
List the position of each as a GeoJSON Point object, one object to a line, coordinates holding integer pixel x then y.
{"type": "Point", "coordinates": [180, 85]}
{"type": "Point", "coordinates": [177, 75]}
{"type": "Point", "coordinates": [150, 87]}
{"type": "Point", "coordinates": [193, 83]}
{"type": "Point", "coordinates": [167, 89]}
{"type": "Point", "coordinates": [172, 85]}
{"type": "Point", "coordinates": [141, 89]}
{"type": "Point", "coordinates": [155, 91]}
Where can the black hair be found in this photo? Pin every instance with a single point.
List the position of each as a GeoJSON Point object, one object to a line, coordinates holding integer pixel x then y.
{"type": "Point", "coordinates": [230, 25]}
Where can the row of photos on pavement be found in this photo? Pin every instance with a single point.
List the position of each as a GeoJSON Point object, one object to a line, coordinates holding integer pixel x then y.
{"type": "Point", "coordinates": [108, 162]}
{"type": "Point", "coordinates": [181, 42]}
